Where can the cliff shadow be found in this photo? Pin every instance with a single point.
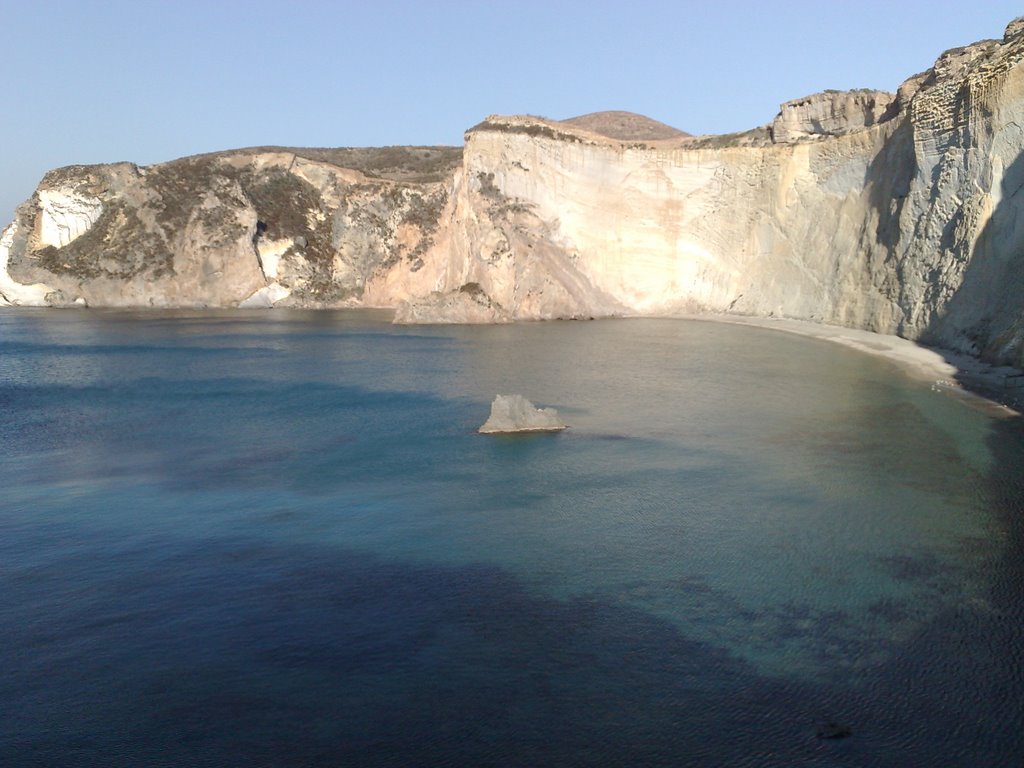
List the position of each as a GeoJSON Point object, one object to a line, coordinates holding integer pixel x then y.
{"type": "Point", "coordinates": [264, 653]}
{"type": "Point", "coordinates": [889, 179]}
{"type": "Point", "coordinates": [985, 315]}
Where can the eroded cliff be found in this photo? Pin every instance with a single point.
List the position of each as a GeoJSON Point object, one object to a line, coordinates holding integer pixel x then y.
{"type": "Point", "coordinates": [245, 228]}
{"type": "Point", "coordinates": [894, 213]}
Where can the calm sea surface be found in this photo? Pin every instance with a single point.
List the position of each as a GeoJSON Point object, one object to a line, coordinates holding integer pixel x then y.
{"type": "Point", "coordinates": [274, 539]}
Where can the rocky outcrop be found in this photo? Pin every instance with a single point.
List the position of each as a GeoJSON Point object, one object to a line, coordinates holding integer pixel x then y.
{"type": "Point", "coordinates": [899, 214]}
{"type": "Point", "coordinates": [514, 413]}
{"type": "Point", "coordinates": [248, 228]}
{"type": "Point", "coordinates": [469, 304]}
{"type": "Point", "coordinates": [832, 113]}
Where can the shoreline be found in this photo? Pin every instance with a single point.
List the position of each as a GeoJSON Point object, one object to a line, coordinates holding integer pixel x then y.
{"type": "Point", "coordinates": [976, 383]}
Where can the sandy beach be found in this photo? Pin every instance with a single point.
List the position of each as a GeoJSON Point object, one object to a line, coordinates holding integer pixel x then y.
{"type": "Point", "coordinates": [978, 383]}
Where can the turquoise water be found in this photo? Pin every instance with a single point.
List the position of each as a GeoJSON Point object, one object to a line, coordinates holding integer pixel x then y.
{"type": "Point", "coordinates": [275, 539]}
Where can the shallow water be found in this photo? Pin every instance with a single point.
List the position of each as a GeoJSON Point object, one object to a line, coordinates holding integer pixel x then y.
{"type": "Point", "coordinates": [275, 539]}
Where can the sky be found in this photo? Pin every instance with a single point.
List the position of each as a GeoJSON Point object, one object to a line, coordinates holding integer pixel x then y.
{"type": "Point", "coordinates": [147, 81]}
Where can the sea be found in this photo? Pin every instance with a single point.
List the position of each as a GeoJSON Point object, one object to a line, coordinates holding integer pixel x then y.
{"type": "Point", "coordinates": [275, 538]}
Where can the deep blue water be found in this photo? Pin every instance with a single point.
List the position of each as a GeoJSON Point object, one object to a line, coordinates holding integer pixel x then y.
{"type": "Point", "coordinates": [274, 539]}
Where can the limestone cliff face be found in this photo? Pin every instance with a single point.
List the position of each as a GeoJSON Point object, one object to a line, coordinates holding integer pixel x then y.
{"type": "Point", "coordinates": [831, 113]}
{"type": "Point", "coordinates": [898, 214]}
{"type": "Point", "coordinates": [895, 213]}
{"type": "Point", "coordinates": [245, 228]}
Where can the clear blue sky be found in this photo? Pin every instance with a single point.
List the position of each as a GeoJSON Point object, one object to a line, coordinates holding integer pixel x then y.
{"type": "Point", "coordinates": [89, 82]}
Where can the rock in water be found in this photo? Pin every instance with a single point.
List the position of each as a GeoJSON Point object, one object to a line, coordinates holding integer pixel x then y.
{"type": "Point", "coordinates": [514, 413]}
{"type": "Point", "coordinates": [469, 304]}
{"type": "Point", "coordinates": [832, 730]}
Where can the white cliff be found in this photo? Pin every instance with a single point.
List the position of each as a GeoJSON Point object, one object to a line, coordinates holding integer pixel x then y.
{"type": "Point", "coordinates": [898, 214]}
{"type": "Point", "coordinates": [11, 291]}
{"type": "Point", "coordinates": [893, 214]}
{"type": "Point", "coordinates": [65, 214]}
